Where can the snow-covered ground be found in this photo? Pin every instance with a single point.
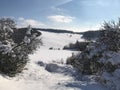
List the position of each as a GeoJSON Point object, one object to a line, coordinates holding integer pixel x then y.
{"type": "Point", "coordinates": [47, 70]}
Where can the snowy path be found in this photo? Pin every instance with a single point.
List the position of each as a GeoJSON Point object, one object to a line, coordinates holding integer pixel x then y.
{"type": "Point", "coordinates": [62, 77]}
{"type": "Point", "coordinates": [46, 72]}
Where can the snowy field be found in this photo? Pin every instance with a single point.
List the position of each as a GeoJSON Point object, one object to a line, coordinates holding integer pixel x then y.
{"type": "Point", "coordinates": [47, 70]}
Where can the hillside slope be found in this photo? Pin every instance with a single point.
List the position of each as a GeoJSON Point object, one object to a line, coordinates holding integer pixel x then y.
{"type": "Point", "coordinates": [47, 70]}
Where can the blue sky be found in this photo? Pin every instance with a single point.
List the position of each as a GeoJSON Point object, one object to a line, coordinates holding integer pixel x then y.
{"type": "Point", "coordinates": [77, 15]}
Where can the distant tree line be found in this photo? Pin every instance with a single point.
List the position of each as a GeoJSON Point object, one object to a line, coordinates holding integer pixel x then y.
{"type": "Point", "coordinates": [77, 46]}
{"type": "Point", "coordinates": [91, 35]}
{"type": "Point", "coordinates": [54, 30]}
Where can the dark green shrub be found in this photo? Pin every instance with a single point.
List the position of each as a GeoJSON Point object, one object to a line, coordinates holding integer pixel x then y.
{"type": "Point", "coordinates": [14, 48]}
{"type": "Point", "coordinates": [89, 60]}
{"type": "Point", "coordinates": [111, 35]}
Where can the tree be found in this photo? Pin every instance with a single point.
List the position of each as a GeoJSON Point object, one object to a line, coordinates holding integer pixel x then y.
{"type": "Point", "coordinates": [102, 58]}
{"type": "Point", "coordinates": [111, 35]}
{"type": "Point", "coordinates": [109, 41]}
{"type": "Point", "coordinates": [13, 54]}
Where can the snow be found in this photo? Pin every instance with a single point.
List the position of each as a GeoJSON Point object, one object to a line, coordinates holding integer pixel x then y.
{"type": "Point", "coordinates": [59, 40]}
{"type": "Point", "coordinates": [5, 48]}
{"type": "Point", "coordinates": [111, 80]}
{"type": "Point", "coordinates": [29, 30]}
{"type": "Point", "coordinates": [113, 57]}
{"type": "Point", "coordinates": [47, 70]}
{"type": "Point", "coordinates": [26, 40]}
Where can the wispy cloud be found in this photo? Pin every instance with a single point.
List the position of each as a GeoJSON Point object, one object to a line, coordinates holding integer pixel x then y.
{"type": "Point", "coordinates": [57, 9]}
{"type": "Point", "coordinates": [61, 18]}
{"type": "Point", "coordinates": [64, 2]}
{"type": "Point", "coordinates": [25, 22]}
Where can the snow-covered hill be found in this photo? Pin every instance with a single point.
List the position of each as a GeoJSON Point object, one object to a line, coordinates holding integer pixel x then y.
{"type": "Point", "coordinates": [47, 70]}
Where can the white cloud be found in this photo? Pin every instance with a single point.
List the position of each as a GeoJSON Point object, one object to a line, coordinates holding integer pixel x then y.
{"type": "Point", "coordinates": [61, 18]}
{"type": "Point", "coordinates": [25, 22]}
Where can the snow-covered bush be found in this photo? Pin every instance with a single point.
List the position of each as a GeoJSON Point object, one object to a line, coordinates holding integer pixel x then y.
{"type": "Point", "coordinates": [102, 57]}
{"type": "Point", "coordinates": [14, 55]}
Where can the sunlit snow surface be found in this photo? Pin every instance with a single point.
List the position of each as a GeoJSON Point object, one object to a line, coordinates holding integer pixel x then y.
{"type": "Point", "coordinates": [62, 77]}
